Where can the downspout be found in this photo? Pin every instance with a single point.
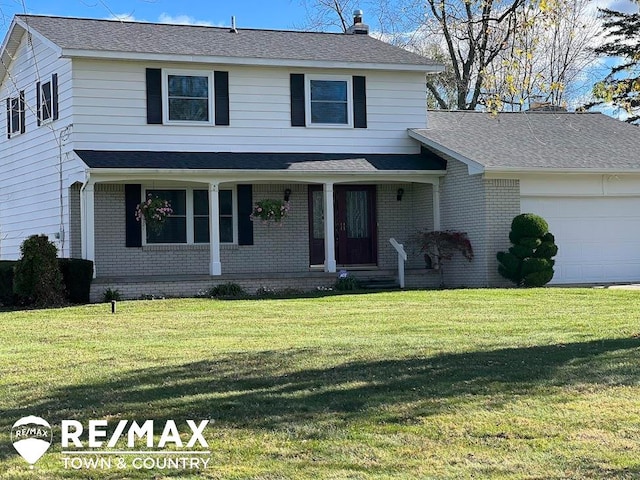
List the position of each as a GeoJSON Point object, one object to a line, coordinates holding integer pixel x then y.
{"type": "Point", "coordinates": [64, 135]}
{"type": "Point", "coordinates": [83, 216]}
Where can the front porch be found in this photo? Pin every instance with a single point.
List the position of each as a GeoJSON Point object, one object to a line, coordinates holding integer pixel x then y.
{"type": "Point", "coordinates": [343, 214]}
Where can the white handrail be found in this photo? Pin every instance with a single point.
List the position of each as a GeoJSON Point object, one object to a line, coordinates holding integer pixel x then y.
{"type": "Point", "coordinates": [402, 257]}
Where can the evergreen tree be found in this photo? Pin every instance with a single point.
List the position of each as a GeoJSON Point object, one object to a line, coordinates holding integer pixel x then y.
{"type": "Point", "coordinates": [621, 87]}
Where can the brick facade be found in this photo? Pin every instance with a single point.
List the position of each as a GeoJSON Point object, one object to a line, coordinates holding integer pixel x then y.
{"type": "Point", "coordinates": [276, 249]}
{"type": "Point", "coordinates": [483, 208]}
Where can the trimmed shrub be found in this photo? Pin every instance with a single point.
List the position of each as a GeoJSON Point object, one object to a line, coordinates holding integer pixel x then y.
{"type": "Point", "coordinates": [347, 283]}
{"type": "Point", "coordinates": [6, 282]}
{"type": "Point", "coordinates": [546, 250]}
{"type": "Point", "coordinates": [529, 261]}
{"type": "Point", "coordinates": [528, 225]}
{"type": "Point", "coordinates": [227, 290]}
{"type": "Point", "coordinates": [38, 280]}
{"type": "Point", "coordinates": [110, 295]}
{"type": "Point", "coordinates": [77, 275]}
{"type": "Point", "coordinates": [530, 242]}
{"type": "Point", "coordinates": [538, 279]}
{"type": "Point", "coordinates": [520, 251]}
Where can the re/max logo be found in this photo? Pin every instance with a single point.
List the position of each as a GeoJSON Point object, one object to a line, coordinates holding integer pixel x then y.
{"type": "Point", "coordinates": [134, 432]}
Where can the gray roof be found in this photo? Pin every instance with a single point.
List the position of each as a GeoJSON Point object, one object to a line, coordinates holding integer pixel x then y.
{"type": "Point", "coordinates": [298, 162]}
{"type": "Point", "coordinates": [152, 38]}
{"type": "Point", "coordinates": [534, 140]}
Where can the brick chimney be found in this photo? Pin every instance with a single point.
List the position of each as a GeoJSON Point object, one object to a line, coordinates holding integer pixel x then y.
{"type": "Point", "coordinates": [358, 27]}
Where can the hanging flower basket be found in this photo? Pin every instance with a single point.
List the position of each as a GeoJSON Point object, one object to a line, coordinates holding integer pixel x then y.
{"type": "Point", "coordinates": [155, 212]}
{"type": "Point", "coordinates": [270, 211]}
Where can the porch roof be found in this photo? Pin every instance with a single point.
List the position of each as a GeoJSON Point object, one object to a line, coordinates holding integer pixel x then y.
{"type": "Point", "coordinates": [298, 162]}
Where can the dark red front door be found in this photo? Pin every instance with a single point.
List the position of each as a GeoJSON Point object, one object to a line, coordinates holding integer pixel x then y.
{"type": "Point", "coordinates": [355, 224]}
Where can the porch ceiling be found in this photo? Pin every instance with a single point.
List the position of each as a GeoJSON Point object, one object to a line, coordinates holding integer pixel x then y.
{"type": "Point", "coordinates": [282, 162]}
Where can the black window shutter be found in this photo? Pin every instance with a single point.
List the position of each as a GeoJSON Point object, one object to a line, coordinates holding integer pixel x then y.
{"type": "Point", "coordinates": [245, 208]}
{"type": "Point", "coordinates": [297, 100]}
{"type": "Point", "coordinates": [359, 102]}
{"type": "Point", "coordinates": [38, 104]}
{"type": "Point", "coordinates": [221, 88]}
{"type": "Point", "coordinates": [8, 118]}
{"type": "Point", "coordinates": [54, 96]}
{"type": "Point", "coordinates": [154, 95]}
{"type": "Point", "coordinates": [133, 228]}
{"type": "Point", "coordinates": [23, 127]}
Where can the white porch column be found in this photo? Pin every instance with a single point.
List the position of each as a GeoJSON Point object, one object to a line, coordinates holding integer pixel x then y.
{"type": "Point", "coordinates": [436, 205]}
{"type": "Point", "coordinates": [215, 267]}
{"type": "Point", "coordinates": [329, 230]}
{"type": "Point", "coordinates": [87, 225]}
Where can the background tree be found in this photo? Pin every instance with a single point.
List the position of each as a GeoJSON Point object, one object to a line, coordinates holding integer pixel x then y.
{"type": "Point", "coordinates": [502, 54]}
{"type": "Point", "coordinates": [621, 87]}
{"type": "Point", "coordinates": [549, 51]}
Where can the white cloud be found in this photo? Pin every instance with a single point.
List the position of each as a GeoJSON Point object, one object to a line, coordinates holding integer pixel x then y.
{"type": "Point", "coordinates": [123, 17]}
{"type": "Point", "coordinates": [185, 20]}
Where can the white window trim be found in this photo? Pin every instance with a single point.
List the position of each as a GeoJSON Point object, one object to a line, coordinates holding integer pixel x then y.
{"type": "Point", "coordinates": [165, 96]}
{"type": "Point", "coordinates": [189, 215]}
{"type": "Point", "coordinates": [46, 121]}
{"type": "Point", "coordinates": [307, 98]}
{"type": "Point", "coordinates": [13, 134]}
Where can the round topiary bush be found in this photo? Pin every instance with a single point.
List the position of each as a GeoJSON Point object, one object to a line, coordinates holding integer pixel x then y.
{"type": "Point", "coordinates": [37, 280]}
{"type": "Point", "coordinates": [527, 225]}
{"type": "Point", "coordinates": [529, 261]}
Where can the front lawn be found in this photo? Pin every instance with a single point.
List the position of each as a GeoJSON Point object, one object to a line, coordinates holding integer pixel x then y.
{"type": "Point", "coordinates": [535, 384]}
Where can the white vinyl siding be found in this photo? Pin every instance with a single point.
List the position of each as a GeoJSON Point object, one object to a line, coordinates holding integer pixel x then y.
{"type": "Point", "coordinates": [29, 164]}
{"type": "Point", "coordinates": [110, 112]}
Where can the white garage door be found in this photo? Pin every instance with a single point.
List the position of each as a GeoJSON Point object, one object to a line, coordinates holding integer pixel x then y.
{"type": "Point", "coordinates": [598, 238]}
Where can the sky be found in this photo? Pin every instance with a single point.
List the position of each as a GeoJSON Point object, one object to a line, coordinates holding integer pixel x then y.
{"type": "Point", "coordinates": [271, 14]}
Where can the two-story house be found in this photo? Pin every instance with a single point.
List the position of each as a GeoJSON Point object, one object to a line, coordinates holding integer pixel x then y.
{"type": "Point", "coordinates": [100, 114]}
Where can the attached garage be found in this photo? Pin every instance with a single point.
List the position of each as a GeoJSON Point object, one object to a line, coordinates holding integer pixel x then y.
{"type": "Point", "coordinates": [598, 238]}
{"type": "Point", "coordinates": [579, 171]}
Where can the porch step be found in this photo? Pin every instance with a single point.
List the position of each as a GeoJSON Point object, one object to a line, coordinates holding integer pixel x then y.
{"type": "Point", "coordinates": [380, 283]}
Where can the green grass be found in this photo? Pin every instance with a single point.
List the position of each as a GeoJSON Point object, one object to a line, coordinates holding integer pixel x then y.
{"type": "Point", "coordinates": [517, 384]}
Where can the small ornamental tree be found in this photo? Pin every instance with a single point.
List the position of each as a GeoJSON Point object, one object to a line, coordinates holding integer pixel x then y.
{"type": "Point", "coordinates": [529, 261]}
{"type": "Point", "coordinates": [441, 245]}
{"type": "Point", "coordinates": [38, 280]}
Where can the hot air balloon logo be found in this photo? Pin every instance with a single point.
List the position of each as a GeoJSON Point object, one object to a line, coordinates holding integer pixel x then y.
{"type": "Point", "coordinates": [31, 437]}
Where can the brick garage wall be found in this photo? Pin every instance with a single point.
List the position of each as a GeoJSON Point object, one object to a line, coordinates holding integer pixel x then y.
{"type": "Point", "coordinates": [462, 199]}
{"type": "Point", "coordinates": [502, 204]}
{"type": "Point", "coordinates": [75, 234]}
{"type": "Point", "coordinates": [483, 209]}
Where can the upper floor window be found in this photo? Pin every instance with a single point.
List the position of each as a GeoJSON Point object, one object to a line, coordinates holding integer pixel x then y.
{"type": "Point", "coordinates": [46, 106]}
{"type": "Point", "coordinates": [15, 115]}
{"type": "Point", "coordinates": [329, 101]}
{"type": "Point", "coordinates": [47, 100]}
{"type": "Point", "coordinates": [188, 97]}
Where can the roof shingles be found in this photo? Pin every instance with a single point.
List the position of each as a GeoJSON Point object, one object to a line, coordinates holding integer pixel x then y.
{"type": "Point", "coordinates": [154, 38]}
{"type": "Point", "coordinates": [536, 140]}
